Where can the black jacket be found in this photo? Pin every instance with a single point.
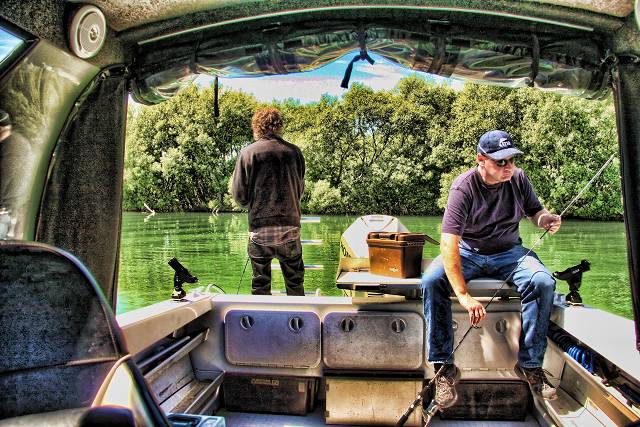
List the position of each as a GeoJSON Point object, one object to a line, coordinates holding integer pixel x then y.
{"type": "Point", "coordinates": [269, 180]}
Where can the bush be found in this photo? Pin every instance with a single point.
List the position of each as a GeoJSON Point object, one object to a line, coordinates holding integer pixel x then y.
{"type": "Point", "coordinates": [324, 199]}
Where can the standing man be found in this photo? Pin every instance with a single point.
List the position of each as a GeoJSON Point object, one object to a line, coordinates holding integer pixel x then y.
{"type": "Point", "coordinates": [268, 180]}
{"type": "Point", "coordinates": [480, 238]}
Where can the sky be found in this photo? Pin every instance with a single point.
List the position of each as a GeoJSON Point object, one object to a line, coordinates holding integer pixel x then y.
{"type": "Point", "coordinates": [311, 85]}
{"type": "Point", "coordinates": [7, 44]}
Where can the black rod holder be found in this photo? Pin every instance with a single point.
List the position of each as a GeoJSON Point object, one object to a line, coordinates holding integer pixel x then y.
{"type": "Point", "coordinates": [573, 276]}
{"type": "Point", "coordinates": [180, 276]}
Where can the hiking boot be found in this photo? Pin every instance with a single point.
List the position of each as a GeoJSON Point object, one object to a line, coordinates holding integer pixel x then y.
{"type": "Point", "coordinates": [537, 380]}
{"type": "Point", "coordinates": [446, 395]}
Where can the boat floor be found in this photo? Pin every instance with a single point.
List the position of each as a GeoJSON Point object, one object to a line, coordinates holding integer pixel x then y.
{"type": "Point", "coordinates": [316, 419]}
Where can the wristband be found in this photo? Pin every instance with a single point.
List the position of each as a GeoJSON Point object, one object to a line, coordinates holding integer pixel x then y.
{"type": "Point", "coordinates": [540, 217]}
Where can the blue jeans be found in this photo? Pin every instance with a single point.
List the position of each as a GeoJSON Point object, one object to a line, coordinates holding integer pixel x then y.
{"type": "Point", "coordinates": [532, 280]}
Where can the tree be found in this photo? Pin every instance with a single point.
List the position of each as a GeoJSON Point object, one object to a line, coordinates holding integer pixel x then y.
{"type": "Point", "coordinates": [180, 157]}
{"type": "Point", "coordinates": [393, 152]}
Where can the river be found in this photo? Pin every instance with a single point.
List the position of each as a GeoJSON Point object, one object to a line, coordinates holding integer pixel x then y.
{"type": "Point", "coordinates": [214, 248]}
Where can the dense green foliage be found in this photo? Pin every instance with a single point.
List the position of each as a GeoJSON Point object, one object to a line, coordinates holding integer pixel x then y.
{"type": "Point", "coordinates": [392, 152]}
{"type": "Point", "coordinates": [178, 158]}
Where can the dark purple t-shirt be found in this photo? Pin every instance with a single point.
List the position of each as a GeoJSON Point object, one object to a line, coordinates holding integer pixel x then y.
{"type": "Point", "coordinates": [487, 216]}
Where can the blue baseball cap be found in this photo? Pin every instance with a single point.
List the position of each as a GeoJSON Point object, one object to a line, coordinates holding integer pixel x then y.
{"type": "Point", "coordinates": [497, 145]}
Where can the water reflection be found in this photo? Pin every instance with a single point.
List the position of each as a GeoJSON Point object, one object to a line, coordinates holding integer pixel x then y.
{"type": "Point", "coordinates": [214, 248]}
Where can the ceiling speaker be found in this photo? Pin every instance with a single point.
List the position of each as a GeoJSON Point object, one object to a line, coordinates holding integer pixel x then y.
{"type": "Point", "coordinates": [87, 31]}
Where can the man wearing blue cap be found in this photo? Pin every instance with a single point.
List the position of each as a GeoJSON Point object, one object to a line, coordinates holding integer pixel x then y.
{"type": "Point", "coordinates": [480, 238]}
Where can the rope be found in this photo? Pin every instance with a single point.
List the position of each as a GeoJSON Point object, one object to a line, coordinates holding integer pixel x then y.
{"type": "Point", "coordinates": [585, 357]}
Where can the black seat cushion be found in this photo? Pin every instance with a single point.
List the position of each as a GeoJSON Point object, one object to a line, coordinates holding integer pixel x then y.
{"type": "Point", "coordinates": [101, 416]}
{"type": "Point", "coordinates": [58, 341]}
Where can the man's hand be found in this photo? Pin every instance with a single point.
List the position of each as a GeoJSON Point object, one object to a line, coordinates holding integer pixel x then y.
{"type": "Point", "coordinates": [549, 221]}
{"type": "Point", "coordinates": [453, 267]}
{"type": "Point", "coordinates": [474, 307]}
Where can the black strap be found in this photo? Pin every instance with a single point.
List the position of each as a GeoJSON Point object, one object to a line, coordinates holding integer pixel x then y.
{"type": "Point", "coordinates": [535, 61]}
{"type": "Point", "coordinates": [193, 60]}
{"type": "Point", "coordinates": [216, 109]}
{"type": "Point", "coordinates": [362, 56]}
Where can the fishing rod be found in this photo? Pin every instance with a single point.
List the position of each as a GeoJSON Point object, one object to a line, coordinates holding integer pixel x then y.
{"type": "Point", "coordinates": [242, 275]}
{"type": "Point", "coordinates": [433, 406]}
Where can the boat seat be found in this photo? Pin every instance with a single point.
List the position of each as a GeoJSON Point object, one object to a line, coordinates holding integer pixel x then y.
{"type": "Point", "coordinates": [60, 346]}
{"type": "Point", "coordinates": [410, 287]}
{"type": "Point", "coordinates": [80, 417]}
{"type": "Point", "coordinates": [488, 287]}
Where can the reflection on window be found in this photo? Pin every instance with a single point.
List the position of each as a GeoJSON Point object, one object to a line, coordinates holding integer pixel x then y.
{"type": "Point", "coordinates": [8, 44]}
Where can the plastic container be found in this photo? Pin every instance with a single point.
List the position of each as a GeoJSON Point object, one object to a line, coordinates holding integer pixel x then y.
{"type": "Point", "coordinates": [267, 393]}
{"type": "Point", "coordinates": [371, 401]}
{"type": "Point", "coordinates": [489, 400]}
{"type": "Point", "coordinates": [395, 254]}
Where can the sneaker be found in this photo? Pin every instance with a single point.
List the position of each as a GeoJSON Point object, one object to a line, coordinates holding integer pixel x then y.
{"type": "Point", "coordinates": [537, 380]}
{"type": "Point", "coordinates": [446, 394]}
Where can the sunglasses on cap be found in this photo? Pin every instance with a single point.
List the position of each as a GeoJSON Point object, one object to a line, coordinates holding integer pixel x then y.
{"type": "Point", "coordinates": [503, 162]}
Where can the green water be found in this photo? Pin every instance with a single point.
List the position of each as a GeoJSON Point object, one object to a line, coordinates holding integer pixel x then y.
{"type": "Point", "coordinates": [214, 248]}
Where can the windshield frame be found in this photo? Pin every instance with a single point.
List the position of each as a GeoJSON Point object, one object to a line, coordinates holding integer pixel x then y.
{"type": "Point", "coordinates": [28, 41]}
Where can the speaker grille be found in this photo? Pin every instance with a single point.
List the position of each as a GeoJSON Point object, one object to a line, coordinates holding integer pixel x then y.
{"type": "Point", "coordinates": [87, 31]}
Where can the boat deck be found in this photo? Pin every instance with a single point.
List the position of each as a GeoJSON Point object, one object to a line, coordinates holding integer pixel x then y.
{"type": "Point", "coordinates": [316, 419]}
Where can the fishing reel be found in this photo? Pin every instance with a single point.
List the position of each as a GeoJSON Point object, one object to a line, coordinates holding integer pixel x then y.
{"type": "Point", "coordinates": [180, 276]}
{"type": "Point", "coordinates": [573, 276]}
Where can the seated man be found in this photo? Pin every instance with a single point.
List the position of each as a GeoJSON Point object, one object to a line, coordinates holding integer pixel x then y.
{"type": "Point", "coordinates": [480, 238]}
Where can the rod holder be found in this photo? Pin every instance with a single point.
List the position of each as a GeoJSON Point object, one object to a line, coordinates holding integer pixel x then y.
{"type": "Point", "coordinates": [181, 275]}
{"type": "Point", "coordinates": [573, 276]}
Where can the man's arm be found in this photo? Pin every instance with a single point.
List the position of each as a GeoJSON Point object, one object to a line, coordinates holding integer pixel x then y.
{"type": "Point", "coordinates": [239, 184]}
{"type": "Point", "coordinates": [303, 170]}
{"type": "Point", "coordinates": [546, 220]}
{"type": "Point", "coordinates": [453, 267]}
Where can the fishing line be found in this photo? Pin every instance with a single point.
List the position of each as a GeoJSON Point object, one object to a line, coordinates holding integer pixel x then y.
{"type": "Point", "coordinates": [596, 176]}
{"type": "Point", "coordinates": [242, 275]}
{"type": "Point", "coordinates": [420, 396]}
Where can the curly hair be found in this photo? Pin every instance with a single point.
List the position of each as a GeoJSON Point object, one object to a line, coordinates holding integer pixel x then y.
{"type": "Point", "coordinates": [267, 121]}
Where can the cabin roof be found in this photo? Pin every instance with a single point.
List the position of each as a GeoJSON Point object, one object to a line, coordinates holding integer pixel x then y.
{"type": "Point", "coordinates": [125, 14]}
